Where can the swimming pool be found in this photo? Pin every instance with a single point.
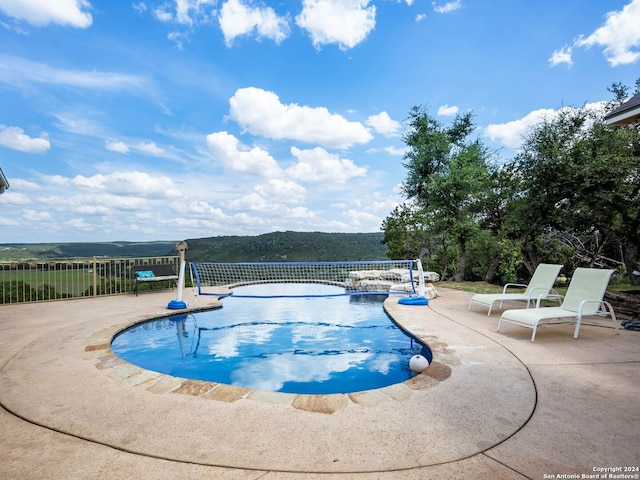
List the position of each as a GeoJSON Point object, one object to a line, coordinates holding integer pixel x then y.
{"type": "Point", "coordinates": [310, 345]}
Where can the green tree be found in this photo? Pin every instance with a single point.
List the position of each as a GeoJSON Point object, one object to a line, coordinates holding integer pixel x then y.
{"type": "Point", "coordinates": [448, 177]}
{"type": "Point", "coordinates": [579, 179]}
{"type": "Point", "coordinates": [610, 176]}
{"type": "Point", "coordinates": [405, 232]}
{"type": "Point", "coordinates": [545, 168]}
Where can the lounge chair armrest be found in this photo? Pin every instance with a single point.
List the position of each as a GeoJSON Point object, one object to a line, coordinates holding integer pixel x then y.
{"type": "Point", "coordinates": [547, 295]}
{"type": "Point", "coordinates": [504, 290]}
{"type": "Point", "coordinates": [584, 302]}
{"type": "Point", "coordinates": [605, 309]}
{"type": "Point", "coordinates": [540, 289]}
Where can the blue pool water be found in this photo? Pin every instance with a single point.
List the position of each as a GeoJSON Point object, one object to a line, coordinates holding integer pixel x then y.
{"type": "Point", "coordinates": [312, 345]}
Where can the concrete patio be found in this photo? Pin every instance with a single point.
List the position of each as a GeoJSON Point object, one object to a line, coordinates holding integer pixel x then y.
{"type": "Point", "coordinates": [492, 405]}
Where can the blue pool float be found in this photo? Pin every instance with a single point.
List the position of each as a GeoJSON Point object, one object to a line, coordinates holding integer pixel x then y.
{"type": "Point", "coordinates": [414, 300]}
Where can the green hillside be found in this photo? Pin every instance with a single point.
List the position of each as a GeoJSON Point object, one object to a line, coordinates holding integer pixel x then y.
{"type": "Point", "coordinates": [270, 247]}
{"type": "Point", "coordinates": [288, 247]}
{"type": "Point", "coordinates": [57, 251]}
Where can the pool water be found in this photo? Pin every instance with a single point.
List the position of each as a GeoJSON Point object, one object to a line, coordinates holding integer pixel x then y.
{"type": "Point", "coordinates": [310, 345]}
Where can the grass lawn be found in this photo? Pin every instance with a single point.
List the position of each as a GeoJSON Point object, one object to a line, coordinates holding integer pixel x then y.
{"type": "Point", "coordinates": [73, 282]}
{"type": "Point", "coordinates": [484, 287]}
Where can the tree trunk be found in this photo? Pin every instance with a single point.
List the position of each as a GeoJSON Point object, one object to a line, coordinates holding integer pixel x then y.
{"type": "Point", "coordinates": [630, 257]}
{"type": "Point", "coordinates": [491, 269]}
{"type": "Point", "coordinates": [445, 258]}
{"type": "Point", "coordinates": [462, 263]}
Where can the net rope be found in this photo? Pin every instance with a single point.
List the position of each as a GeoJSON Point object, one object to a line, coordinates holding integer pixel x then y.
{"type": "Point", "coordinates": [356, 278]}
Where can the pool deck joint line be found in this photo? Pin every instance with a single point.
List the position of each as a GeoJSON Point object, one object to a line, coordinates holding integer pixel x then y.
{"type": "Point", "coordinates": [492, 405]}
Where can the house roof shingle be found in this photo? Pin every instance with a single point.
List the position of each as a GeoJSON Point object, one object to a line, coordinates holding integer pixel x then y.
{"type": "Point", "coordinates": [4, 183]}
{"type": "Point", "coordinates": [628, 112]}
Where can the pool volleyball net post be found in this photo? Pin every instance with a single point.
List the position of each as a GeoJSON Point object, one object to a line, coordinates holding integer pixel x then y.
{"type": "Point", "coordinates": [357, 278]}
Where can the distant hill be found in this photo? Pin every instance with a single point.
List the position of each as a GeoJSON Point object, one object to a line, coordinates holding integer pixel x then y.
{"type": "Point", "coordinates": [57, 251]}
{"type": "Point", "coordinates": [270, 247]}
{"type": "Point", "coordinates": [288, 247]}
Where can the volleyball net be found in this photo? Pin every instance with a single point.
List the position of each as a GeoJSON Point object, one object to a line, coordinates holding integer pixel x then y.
{"type": "Point", "coordinates": [353, 278]}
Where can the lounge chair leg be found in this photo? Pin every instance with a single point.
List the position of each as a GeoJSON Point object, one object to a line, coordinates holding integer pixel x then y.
{"type": "Point", "coordinates": [610, 311]}
{"type": "Point", "coordinates": [577, 329]}
{"type": "Point", "coordinates": [533, 335]}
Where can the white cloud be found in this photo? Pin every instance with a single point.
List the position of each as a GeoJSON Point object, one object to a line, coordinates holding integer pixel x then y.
{"type": "Point", "coordinates": [191, 11]}
{"type": "Point", "coordinates": [78, 224]}
{"type": "Point", "coordinates": [511, 133]}
{"type": "Point", "coordinates": [318, 165]}
{"type": "Point", "coordinates": [9, 222]}
{"type": "Point", "coordinates": [11, 197]}
{"type": "Point", "coordinates": [447, 7]}
{"type": "Point", "coordinates": [17, 71]}
{"type": "Point", "coordinates": [256, 204]}
{"type": "Point", "coordinates": [19, 184]}
{"type": "Point", "coordinates": [198, 208]}
{"type": "Point", "coordinates": [72, 13]}
{"type": "Point", "coordinates": [184, 12]}
{"type": "Point", "coordinates": [384, 124]}
{"type": "Point", "coordinates": [253, 202]}
{"type": "Point", "coordinates": [237, 18]}
{"type": "Point", "coordinates": [239, 158]}
{"type": "Point", "coordinates": [74, 122]}
{"type": "Point", "coordinates": [127, 203]}
{"type": "Point", "coordinates": [36, 216]}
{"type": "Point", "coordinates": [447, 111]}
{"type": "Point", "coordinates": [139, 7]}
{"type": "Point", "coordinates": [150, 148]}
{"type": "Point", "coordinates": [145, 147]}
{"type": "Point", "coordinates": [139, 184]}
{"type": "Point", "coordinates": [395, 151]}
{"type": "Point", "coordinates": [179, 38]}
{"type": "Point", "coordinates": [561, 56]}
{"type": "Point", "coordinates": [261, 113]}
{"type": "Point", "coordinates": [620, 37]}
{"type": "Point", "coordinates": [93, 203]}
{"type": "Point", "coordinates": [420, 17]}
{"type": "Point", "coordinates": [118, 147]}
{"type": "Point", "coordinates": [346, 23]}
{"type": "Point", "coordinates": [16, 139]}
{"type": "Point", "coordinates": [91, 209]}
{"type": "Point", "coordinates": [163, 13]}
{"type": "Point", "coordinates": [360, 219]}
{"type": "Point", "coordinates": [282, 191]}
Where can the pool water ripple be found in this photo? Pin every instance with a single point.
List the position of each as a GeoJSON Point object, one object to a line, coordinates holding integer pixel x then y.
{"type": "Point", "coordinates": [309, 345]}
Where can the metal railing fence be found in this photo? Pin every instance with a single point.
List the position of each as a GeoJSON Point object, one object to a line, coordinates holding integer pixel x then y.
{"type": "Point", "coordinates": [48, 280]}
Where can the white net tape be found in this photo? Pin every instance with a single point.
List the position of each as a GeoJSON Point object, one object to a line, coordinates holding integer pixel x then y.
{"type": "Point", "coordinates": [356, 278]}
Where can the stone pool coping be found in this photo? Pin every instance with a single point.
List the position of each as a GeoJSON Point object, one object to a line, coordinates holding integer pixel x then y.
{"type": "Point", "coordinates": [99, 350]}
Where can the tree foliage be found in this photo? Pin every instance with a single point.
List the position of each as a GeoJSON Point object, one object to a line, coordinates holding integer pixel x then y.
{"type": "Point", "coordinates": [447, 177]}
{"type": "Point", "coordinates": [571, 194]}
{"type": "Point", "coordinates": [406, 232]}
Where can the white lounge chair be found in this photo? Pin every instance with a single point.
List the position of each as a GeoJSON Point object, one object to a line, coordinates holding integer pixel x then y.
{"type": "Point", "coordinates": [584, 297]}
{"type": "Point", "coordinates": [541, 283]}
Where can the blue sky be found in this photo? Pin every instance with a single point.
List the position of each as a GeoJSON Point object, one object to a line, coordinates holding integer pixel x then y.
{"type": "Point", "coordinates": [175, 119]}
